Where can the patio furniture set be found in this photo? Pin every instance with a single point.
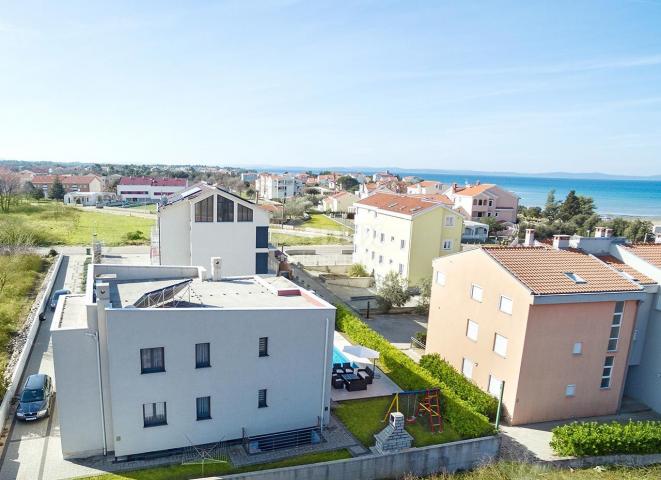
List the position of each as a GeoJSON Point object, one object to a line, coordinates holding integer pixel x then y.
{"type": "Point", "coordinates": [346, 376]}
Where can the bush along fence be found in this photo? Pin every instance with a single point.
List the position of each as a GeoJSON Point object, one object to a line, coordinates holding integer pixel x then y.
{"type": "Point", "coordinates": [581, 439]}
{"type": "Point", "coordinates": [481, 401]}
{"type": "Point", "coordinates": [465, 419]}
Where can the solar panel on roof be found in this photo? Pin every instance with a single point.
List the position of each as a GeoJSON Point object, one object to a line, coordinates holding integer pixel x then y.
{"type": "Point", "coordinates": [162, 295]}
{"type": "Point", "coordinates": [190, 191]}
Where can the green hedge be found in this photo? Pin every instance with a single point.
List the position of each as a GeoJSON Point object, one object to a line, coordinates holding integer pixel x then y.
{"type": "Point", "coordinates": [411, 376]}
{"type": "Point", "coordinates": [481, 401]}
{"type": "Point", "coordinates": [592, 438]}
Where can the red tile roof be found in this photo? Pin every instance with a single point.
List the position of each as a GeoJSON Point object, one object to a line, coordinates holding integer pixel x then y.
{"type": "Point", "coordinates": [620, 266]}
{"type": "Point", "coordinates": [405, 204]}
{"type": "Point", "coordinates": [156, 182]}
{"type": "Point", "coordinates": [475, 189]}
{"type": "Point", "coordinates": [434, 197]}
{"type": "Point", "coordinates": [65, 179]}
{"type": "Point", "coordinates": [650, 252]}
{"type": "Point", "coordinates": [543, 270]}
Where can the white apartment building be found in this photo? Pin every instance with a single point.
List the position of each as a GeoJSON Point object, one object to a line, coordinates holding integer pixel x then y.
{"type": "Point", "coordinates": [148, 189]}
{"type": "Point", "coordinates": [404, 234]}
{"type": "Point", "coordinates": [205, 221]}
{"type": "Point", "coordinates": [155, 358]}
{"type": "Point", "coordinates": [277, 187]}
{"type": "Point", "coordinates": [426, 187]}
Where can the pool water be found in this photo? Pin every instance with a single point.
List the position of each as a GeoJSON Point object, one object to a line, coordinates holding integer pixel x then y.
{"type": "Point", "coordinates": [338, 357]}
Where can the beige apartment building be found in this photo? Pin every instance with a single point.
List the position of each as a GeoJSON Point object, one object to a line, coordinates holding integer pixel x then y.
{"type": "Point", "coordinates": [554, 324]}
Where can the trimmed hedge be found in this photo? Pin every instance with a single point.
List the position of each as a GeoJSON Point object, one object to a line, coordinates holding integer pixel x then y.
{"type": "Point", "coordinates": [410, 376]}
{"type": "Point", "coordinates": [592, 438]}
{"type": "Point", "coordinates": [481, 401]}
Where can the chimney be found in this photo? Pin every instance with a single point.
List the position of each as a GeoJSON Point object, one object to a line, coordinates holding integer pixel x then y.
{"type": "Point", "coordinates": [608, 233]}
{"type": "Point", "coordinates": [560, 241]}
{"type": "Point", "coordinates": [530, 238]}
{"type": "Point", "coordinates": [216, 266]}
{"type": "Point", "coordinates": [599, 232]}
{"type": "Point", "coordinates": [454, 187]}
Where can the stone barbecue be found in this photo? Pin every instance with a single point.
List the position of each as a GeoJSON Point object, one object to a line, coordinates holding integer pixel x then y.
{"type": "Point", "coordinates": [394, 437]}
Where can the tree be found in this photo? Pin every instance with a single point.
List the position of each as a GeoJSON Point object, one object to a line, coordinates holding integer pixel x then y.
{"type": "Point", "coordinates": [9, 187]}
{"type": "Point", "coordinates": [348, 183]}
{"type": "Point", "coordinates": [56, 190]}
{"type": "Point", "coordinates": [495, 226]}
{"type": "Point", "coordinates": [296, 207]}
{"type": "Point", "coordinates": [358, 270]}
{"type": "Point", "coordinates": [570, 207]}
{"type": "Point", "coordinates": [637, 230]}
{"type": "Point", "coordinates": [551, 206]}
{"type": "Point", "coordinates": [392, 292]}
{"type": "Point", "coordinates": [425, 296]}
{"type": "Point", "coordinates": [586, 205]}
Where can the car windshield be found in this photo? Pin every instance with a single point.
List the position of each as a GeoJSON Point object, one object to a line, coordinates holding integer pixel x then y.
{"type": "Point", "coordinates": [32, 396]}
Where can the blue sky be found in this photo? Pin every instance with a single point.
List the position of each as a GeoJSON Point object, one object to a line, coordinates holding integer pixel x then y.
{"type": "Point", "coordinates": [522, 86]}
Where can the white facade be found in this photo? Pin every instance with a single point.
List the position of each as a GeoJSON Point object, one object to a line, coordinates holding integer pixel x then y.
{"type": "Point", "coordinates": [339, 202]}
{"type": "Point", "coordinates": [231, 316]}
{"type": "Point", "coordinates": [186, 238]}
{"type": "Point", "coordinates": [426, 187]}
{"type": "Point", "coordinates": [277, 187]}
{"type": "Point", "coordinates": [149, 189]}
{"type": "Point", "coordinates": [88, 198]}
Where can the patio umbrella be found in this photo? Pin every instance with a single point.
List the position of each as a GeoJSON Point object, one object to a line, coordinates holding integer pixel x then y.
{"type": "Point", "coordinates": [362, 352]}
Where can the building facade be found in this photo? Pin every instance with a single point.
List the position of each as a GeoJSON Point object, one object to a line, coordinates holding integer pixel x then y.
{"type": "Point", "coordinates": [71, 183]}
{"type": "Point", "coordinates": [148, 189]}
{"type": "Point", "coordinates": [159, 358]}
{"type": "Point", "coordinates": [479, 201]}
{"type": "Point", "coordinates": [404, 234]}
{"type": "Point", "coordinates": [339, 202]}
{"type": "Point", "coordinates": [206, 221]}
{"type": "Point", "coordinates": [277, 187]}
{"type": "Point", "coordinates": [89, 198]}
{"type": "Point", "coordinates": [426, 187]}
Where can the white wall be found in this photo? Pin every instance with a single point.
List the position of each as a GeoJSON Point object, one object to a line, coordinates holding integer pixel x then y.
{"type": "Point", "coordinates": [296, 373]}
{"type": "Point", "coordinates": [174, 234]}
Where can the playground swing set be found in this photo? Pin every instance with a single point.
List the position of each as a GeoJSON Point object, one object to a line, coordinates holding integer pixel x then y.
{"type": "Point", "coordinates": [418, 403]}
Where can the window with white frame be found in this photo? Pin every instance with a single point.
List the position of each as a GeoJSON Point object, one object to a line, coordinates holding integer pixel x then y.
{"type": "Point", "coordinates": [154, 414]}
{"type": "Point", "coordinates": [476, 292]}
{"type": "Point", "coordinates": [472, 330]}
{"type": "Point", "coordinates": [494, 386]}
{"type": "Point", "coordinates": [500, 345]}
{"type": "Point", "coordinates": [447, 244]}
{"type": "Point", "coordinates": [578, 348]}
{"type": "Point", "coordinates": [505, 305]}
{"type": "Point", "coordinates": [373, 233]}
{"type": "Point", "coordinates": [440, 278]}
{"type": "Point", "coordinates": [383, 237]}
{"type": "Point", "coordinates": [467, 368]}
{"type": "Point", "coordinates": [373, 254]}
{"type": "Point", "coordinates": [607, 372]}
{"type": "Point", "coordinates": [380, 258]}
{"type": "Point", "coordinates": [402, 244]}
{"type": "Point", "coordinates": [570, 390]}
{"type": "Point", "coordinates": [401, 269]}
{"type": "Point", "coordinates": [449, 221]}
{"type": "Point", "coordinates": [615, 326]}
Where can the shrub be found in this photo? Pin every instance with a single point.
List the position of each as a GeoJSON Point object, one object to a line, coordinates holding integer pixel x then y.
{"type": "Point", "coordinates": [136, 236]}
{"type": "Point", "coordinates": [410, 376]}
{"type": "Point", "coordinates": [358, 270]}
{"type": "Point", "coordinates": [425, 297]}
{"type": "Point", "coordinates": [421, 336]}
{"type": "Point", "coordinates": [591, 438]}
{"type": "Point", "coordinates": [480, 400]}
{"type": "Point", "coordinates": [392, 292]}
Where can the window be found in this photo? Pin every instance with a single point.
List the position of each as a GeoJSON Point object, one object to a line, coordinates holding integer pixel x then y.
{"type": "Point", "coordinates": [261, 398]}
{"type": "Point", "coordinates": [373, 255]}
{"type": "Point", "coordinates": [261, 237]}
{"type": "Point", "coordinates": [476, 292]}
{"type": "Point", "coordinates": [491, 203]}
{"type": "Point", "coordinates": [447, 244]}
{"type": "Point", "coordinates": [203, 407]}
{"type": "Point", "coordinates": [154, 414]}
{"type": "Point", "coordinates": [449, 221]}
{"type": "Point", "coordinates": [243, 213]}
{"type": "Point", "coordinates": [380, 258]}
{"type": "Point", "coordinates": [401, 269]}
{"type": "Point", "coordinates": [467, 368]}
{"type": "Point", "coordinates": [225, 209]}
{"type": "Point", "coordinates": [500, 345]}
{"type": "Point", "coordinates": [373, 233]}
{"type": "Point", "coordinates": [152, 360]}
{"type": "Point", "coordinates": [383, 237]}
{"type": "Point", "coordinates": [263, 346]}
{"type": "Point", "coordinates": [440, 278]}
{"type": "Point", "coordinates": [505, 305]}
{"type": "Point", "coordinates": [261, 263]}
{"type": "Point", "coordinates": [202, 357]}
{"type": "Point", "coordinates": [574, 277]}
{"type": "Point", "coordinates": [402, 244]}
{"type": "Point", "coordinates": [615, 326]}
{"type": "Point", "coordinates": [578, 348]}
{"type": "Point", "coordinates": [607, 373]}
{"type": "Point", "coordinates": [570, 390]}
{"type": "Point", "coordinates": [204, 210]}
{"type": "Point", "coordinates": [494, 386]}
{"type": "Point", "coordinates": [472, 329]}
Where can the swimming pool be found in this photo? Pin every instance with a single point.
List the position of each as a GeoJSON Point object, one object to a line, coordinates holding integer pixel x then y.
{"type": "Point", "coordinates": [338, 357]}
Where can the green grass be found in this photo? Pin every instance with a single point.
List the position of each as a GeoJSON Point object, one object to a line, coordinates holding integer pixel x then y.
{"type": "Point", "coordinates": [318, 220]}
{"type": "Point", "coordinates": [284, 239]}
{"type": "Point", "coordinates": [363, 418]}
{"type": "Point", "coordinates": [51, 223]}
{"type": "Point", "coordinates": [185, 472]}
{"type": "Point", "coordinates": [19, 274]}
{"type": "Point", "coordinates": [150, 207]}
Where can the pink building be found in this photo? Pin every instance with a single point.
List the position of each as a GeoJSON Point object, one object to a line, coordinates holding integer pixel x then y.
{"type": "Point", "coordinates": [476, 202]}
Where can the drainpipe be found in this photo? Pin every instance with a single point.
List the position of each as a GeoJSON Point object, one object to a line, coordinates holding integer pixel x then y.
{"type": "Point", "coordinates": [95, 336]}
{"type": "Point", "coordinates": [324, 376]}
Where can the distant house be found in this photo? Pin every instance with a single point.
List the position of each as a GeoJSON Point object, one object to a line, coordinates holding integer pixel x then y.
{"type": "Point", "coordinates": [149, 189]}
{"type": "Point", "coordinates": [206, 221]}
{"type": "Point", "coordinates": [426, 187]}
{"type": "Point", "coordinates": [341, 202]}
{"type": "Point", "coordinates": [71, 183]}
{"type": "Point", "coordinates": [475, 231]}
{"type": "Point", "coordinates": [89, 198]}
{"type": "Point", "coordinates": [273, 186]}
{"type": "Point", "coordinates": [484, 200]}
{"type": "Point", "coordinates": [367, 189]}
{"type": "Point", "coordinates": [248, 177]}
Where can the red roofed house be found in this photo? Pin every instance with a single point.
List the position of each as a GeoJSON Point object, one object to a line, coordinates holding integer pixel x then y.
{"type": "Point", "coordinates": [339, 202]}
{"type": "Point", "coordinates": [141, 189]}
{"type": "Point", "coordinates": [426, 187]}
{"type": "Point", "coordinates": [71, 183]}
{"type": "Point", "coordinates": [484, 200]}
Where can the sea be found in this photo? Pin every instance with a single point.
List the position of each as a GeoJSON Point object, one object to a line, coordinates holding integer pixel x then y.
{"type": "Point", "coordinates": [634, 198]}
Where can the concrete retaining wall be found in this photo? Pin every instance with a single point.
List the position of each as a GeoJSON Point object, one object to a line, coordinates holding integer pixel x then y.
{"type": "Point", "coordinates": [33, 328]}
{"type": "Point", "coordinates": [623, 460]}
{"type": "Point", "coordinates": [358, 282]}
{"type": "Point", "coordinates": [448, 457]}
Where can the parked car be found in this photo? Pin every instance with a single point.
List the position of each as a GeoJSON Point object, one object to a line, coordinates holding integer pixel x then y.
{"type": "Point", "coordinates": [36, 399]}
{"type": "Point", "coordinates": [56, 295]}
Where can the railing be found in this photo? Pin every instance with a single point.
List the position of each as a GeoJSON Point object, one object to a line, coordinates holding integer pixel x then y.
{"type": "Point", "coordinates": [277, 441]}
{"type": "Point", "coordinates": [415, 343]}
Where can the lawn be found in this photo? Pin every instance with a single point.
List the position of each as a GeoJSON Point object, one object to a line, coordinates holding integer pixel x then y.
{"type": "Point", "coordinates": [149, 207]}
{"type": "Point", "coordinates": [19, 275]}
{"type": "Point", "coordinates": [364, 418]}
{"type": "Point", "coordinates": [284, 239]}
{"type": "Point", "coordinates": [321, 221]}
{"type": "Point", "coordinates": [52, 223]}
{"type": "Point", "coordinates": [185, 472]}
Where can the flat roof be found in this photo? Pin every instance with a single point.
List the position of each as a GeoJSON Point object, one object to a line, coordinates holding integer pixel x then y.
{"type": "Point", "coordinates": [235, 292]}
{"type": "Point", "coordinates": [74, 312]}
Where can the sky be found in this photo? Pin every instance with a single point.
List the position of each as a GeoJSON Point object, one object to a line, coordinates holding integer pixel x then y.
{"type": "Point", "coordinates": [494, 86]}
